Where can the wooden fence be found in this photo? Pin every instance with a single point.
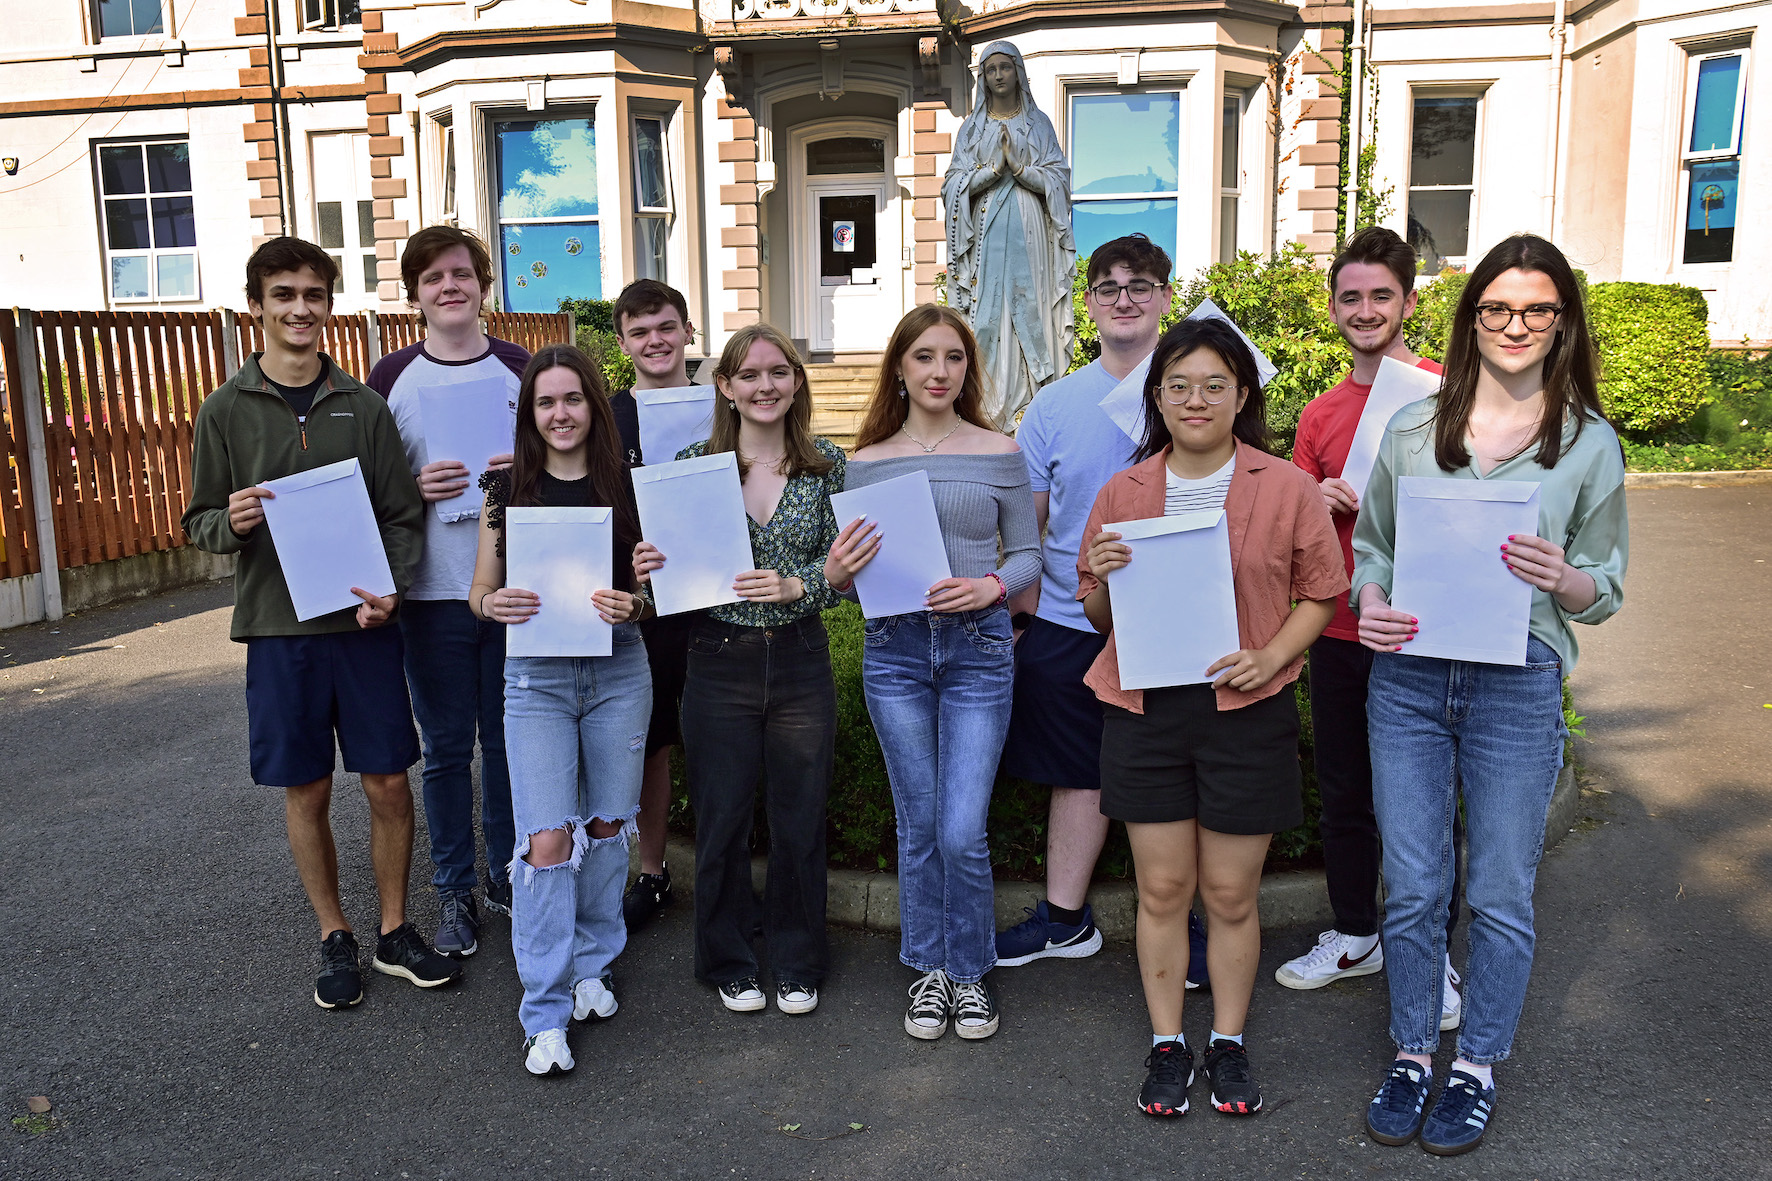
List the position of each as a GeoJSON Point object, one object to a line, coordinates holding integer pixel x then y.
{"type": "Point", "coordinates": [98, 411]}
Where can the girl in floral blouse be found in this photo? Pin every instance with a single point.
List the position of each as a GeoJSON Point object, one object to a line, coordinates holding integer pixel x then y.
{"type": "Point", "coordinates": [759, 699]}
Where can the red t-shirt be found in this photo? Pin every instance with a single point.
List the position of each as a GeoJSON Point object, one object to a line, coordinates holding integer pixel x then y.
{"type": "Point", "coordinates": [1325, 434]}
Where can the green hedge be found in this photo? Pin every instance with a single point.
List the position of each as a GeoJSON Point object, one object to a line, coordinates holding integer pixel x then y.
{"type": "Point", "coordinates": [595, 324]}
{"type": "Point", "coordinates": [1653, 340]}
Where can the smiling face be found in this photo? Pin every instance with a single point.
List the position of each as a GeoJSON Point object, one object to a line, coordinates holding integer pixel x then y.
{"type": "Point", "coordinates": [933, 369]}
{"type": "Point", "coordinates": [1124, 325]}
{"type": "Point", "coordinates": [294, 309]}
{"type": "Point", "coordinates": [764, 386]}
{"type": "Point", "coordinates": [562, 410]}
{"type": "Point", "coordinates": [1369, 307]}
{"type": "Point", "coordinates": [1194, 423]}
{"type": "Point", "coordinates": [449, 292]}
{"type": "Point", "coordinates": [1516, 349]}
{"type": "Point", "coordinates": [656, 342]}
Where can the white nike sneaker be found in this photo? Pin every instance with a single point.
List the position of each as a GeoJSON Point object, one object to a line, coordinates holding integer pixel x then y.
{"type": "Point", "coordinates": [1334, 957]}
{"type": "Point", "coordinates": [547, 1053]}
{"type": "Point", "coordinates": [1451, 1003]}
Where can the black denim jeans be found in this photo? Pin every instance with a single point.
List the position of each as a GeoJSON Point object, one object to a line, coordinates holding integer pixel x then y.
{"type": "Point", "coordinates": [1351, 850]}
{"type": "Point", "coordinates": [760, 704]}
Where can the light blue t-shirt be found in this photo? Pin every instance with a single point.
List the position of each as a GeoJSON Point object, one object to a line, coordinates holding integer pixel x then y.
{"type": "Point", "coordinates": [1072, 449]}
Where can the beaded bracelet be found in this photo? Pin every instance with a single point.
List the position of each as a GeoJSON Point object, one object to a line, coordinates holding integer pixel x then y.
{"type": "Point", "coordinates": [1002, 589]}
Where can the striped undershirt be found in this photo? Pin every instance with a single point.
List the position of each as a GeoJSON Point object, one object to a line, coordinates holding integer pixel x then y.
{"type": "Point", "coordinates": [1189, 496]}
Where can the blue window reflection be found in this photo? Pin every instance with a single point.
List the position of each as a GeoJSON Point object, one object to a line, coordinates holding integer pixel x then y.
{"type": "Point", "coordinates": [1713, 108]}
{"type": "Point", "coordinates": [1125, 143]}
{"type": "Point", "coordinates": [1710, 211]}
{"type": "Point", "coordinates": [1096, 222]}
{"type": "Point", "coordinates": [547, 168]}
{"type": "Point", "coordinates": [544, 264]}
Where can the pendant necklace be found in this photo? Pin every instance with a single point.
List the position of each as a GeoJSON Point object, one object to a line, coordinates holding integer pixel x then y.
{"type": "Point", "coordinates": [929, 448]}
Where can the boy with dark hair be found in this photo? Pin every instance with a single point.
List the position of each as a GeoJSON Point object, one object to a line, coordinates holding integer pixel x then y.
{"type": "Point", "coordinates": [652, 326]}
{"type": "Point", "coordinates": [455, 663]}
{"type": "Point", "coordinates": [1372, 291]}
{"type": "Point", "coordinates": [290, 409]}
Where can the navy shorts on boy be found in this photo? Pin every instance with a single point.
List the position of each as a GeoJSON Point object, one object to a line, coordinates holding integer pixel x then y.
{"type": "Point", "coordinates": [303, 690]}
{"type": "Point", "coordinates": [1055, 728]}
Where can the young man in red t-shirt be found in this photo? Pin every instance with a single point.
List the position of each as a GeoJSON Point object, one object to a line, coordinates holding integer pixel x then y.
{"type": "Point", "coordinates": [1372, 291]}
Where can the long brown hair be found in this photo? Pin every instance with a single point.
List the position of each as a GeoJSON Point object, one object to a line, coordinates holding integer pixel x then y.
{"type": "Point", "coordinates": [799, 451]}
{"type": "Point", "coordinates": [609, 484]}
{"type": "Point", "coordinates": [1570, 368]}
{"type": "Point", "coordinates": [888, 410]}
{"type": "Point", "coordinates": [1250, 424]}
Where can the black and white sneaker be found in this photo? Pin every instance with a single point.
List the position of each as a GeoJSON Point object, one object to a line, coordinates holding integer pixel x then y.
{"type": "Point", "coordinates": [975, 1010]}
{"type": "Point", "coordinates": [403, 952]}
{"type": "Point", "coordinates": [1233, 1088]}
{"type": "Point", "coordinates": [1169, 1072]}
{"type": "Point", "coordinates": [932, 1003]}
{"type": "Point", "coordinates": [340, 983]}
{"type": "Point", "coordinates": [794, 997]}
{"type": "Point", "coordinates": [743, 996]}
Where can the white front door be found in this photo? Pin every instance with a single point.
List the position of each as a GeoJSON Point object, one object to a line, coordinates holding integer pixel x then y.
{"type": "Point", "coordinates": [850, 264]}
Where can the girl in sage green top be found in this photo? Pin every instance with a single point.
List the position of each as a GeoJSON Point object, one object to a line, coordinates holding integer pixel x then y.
{"type": "Point", "coordinates": [759, 700]}
{"type": "Point", "coordinates": [1519, 402]}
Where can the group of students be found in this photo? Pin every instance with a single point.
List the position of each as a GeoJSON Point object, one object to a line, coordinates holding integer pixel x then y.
{"type": "Point", "coordinates": [1012, 664]}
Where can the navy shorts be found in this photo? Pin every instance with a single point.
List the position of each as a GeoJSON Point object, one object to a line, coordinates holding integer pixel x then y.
{"type": "Point", "coordinates": [1055, 728]}
{"type": "Point", "coordinates": [302, 690]}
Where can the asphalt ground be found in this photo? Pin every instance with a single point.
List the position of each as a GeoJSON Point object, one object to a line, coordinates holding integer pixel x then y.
{"type": "Point", "coordinates": [161, 962]}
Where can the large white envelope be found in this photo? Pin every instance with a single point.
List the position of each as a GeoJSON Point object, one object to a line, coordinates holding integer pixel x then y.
{"type": "Point", "coordinates": [672, 419]}
{"type": "Point", "coordinates": [1397, 385]}
{"type": "Point", "coordinates": [562, 554]}
{"type": "Point", "coordinates": [469, 422]}
{"type": "Point", "coordinates": [327, 538]}
{"type": "Point", "coordinates": [1125, 402]}
{"type": "Point", "coordinates": [912, 556]}
{"type": "Point", "coordinates": [693, 511]}
{"type": "Point", "coordinates": [1448, 571]}
{"type": "Point", "coordinates": [1175, 608]}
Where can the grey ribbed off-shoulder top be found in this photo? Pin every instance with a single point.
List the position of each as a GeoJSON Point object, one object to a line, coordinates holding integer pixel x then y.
{"type": "Point", "coordinates": [978, 498]}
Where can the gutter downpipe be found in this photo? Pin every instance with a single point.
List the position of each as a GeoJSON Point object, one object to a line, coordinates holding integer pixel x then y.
{"type": "Point", "coordinates": [1357, 84]}
{"type": "Point", "coordinates": [280, 122]}
{"type": "Point", "coordinates": [1553, 152]}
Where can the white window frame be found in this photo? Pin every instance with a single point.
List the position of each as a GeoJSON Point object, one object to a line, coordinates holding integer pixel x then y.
{"type": "Point", "coordinates": [98, 23]}
{"type": "Point", "coordinates": [152, 254]}
{"type": "Point", "coordinates": [667, 213]}
{"type": "Point", "coordinates": [1479, 92]}
{"type": "Point", "coordinates": [1231, 159]}
{"type": "Point", "coordinates": [354, 283]}
{"type": "Point", "coordinates": [326, 15]}
{"type": "Point", "coordinates": [490, 119]}
{"type": "Point", "coordinates": [1695, 62]}
{"type": "Point", "coordinates": [1176, 86]}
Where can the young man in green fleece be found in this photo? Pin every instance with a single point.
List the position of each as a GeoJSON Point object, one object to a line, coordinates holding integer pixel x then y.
{"type": "Point", "coordinates": [291, 409]}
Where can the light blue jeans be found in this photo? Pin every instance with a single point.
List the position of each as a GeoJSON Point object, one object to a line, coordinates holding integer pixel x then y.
{"type": "Point", "coordinates": [1498, 730]}
{"type": "Point", "coordinates": [575, 738]}
{"type": "Point", "coordinates": [939, 689]}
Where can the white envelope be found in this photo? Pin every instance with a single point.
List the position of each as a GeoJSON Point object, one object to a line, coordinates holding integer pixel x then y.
{"type": "Point", "coordinates": [1397, 385]}
{"type": "Point", "coordinates": [1174, 606]}
{"type": "Point", "coordinates": [562, 554]}
{"type": "Point", "coordinates": [469, 422]}
{"type": "Point", "coordinates": [1448, 571]}
{"type": "Point", "coordinates": [327, 539]}
{"type": "Point", "coordinates": [1125, 402]}
{"type": "Point", "coordinates": [693, 511]}
{"type": "Point", "coordinates": [1264, 368]}
{"type": "Point", "coordinates": [672, 419]}
{"type": "Point", "coordinates": [912, 556]}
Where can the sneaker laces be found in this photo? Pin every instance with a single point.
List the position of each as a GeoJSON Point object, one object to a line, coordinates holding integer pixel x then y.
{"type": "Point", "coordinates": [931, 995]}
{"type": "Point", "coordinates": [337, 955]}
{"type": "Point", "coordinates": [1165, 1064]}
{"type": "Point", "coordinates": [972, 1001]}
{"type": "Point", "coordinates": [1032, 923]}
{"type": "Point", "coordinates": [1229, 1064]}
{"type": "Point", "coordinates": [549, 1042]}
{"type": "Point", "coordinates": [1401, 1090]}
{"type": "Point", "coordinates": [1330, 946]}
{"type": "Point", "coordinates": [1459, 1100]}
{"type": "Point", "coordinates": [453, 911]}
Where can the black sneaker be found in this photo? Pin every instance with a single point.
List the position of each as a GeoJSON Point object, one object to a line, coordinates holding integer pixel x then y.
{"type": "Point", "coordinates": [458, 929]}
{"type": "Point", "coordinates": [743, 996]}
{"type": "Point", "coordinates": [932, 1004]}
{"type": "Point", "coordinates": [404, 952]}
{"type": "Point", "coordinates": [1233, 1088]}
{"type": "Point", "coordinates": [650, 893]}
{"type": "Point", "coordinates": [340, 984]}
{"type": "Point", "coordinates": [498, 898]}
{"type": "Point", "coordinates": [1169, 1072]}
{"type": "Point", "coordinates": [975, 1010]}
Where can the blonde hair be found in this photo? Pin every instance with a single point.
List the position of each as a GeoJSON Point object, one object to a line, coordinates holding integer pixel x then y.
{"type": "Point", "coordinates": [800, 451]}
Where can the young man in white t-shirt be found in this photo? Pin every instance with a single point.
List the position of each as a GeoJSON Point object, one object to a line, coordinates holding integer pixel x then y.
{"type": "Point", "coordinates": [454, 662]}
{"type": "Point", "coordinates": [1072, 448]}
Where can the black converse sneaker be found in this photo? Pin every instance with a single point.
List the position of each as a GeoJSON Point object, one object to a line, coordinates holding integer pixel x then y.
{"type": "Point", "coordinates": [932, 1003]}
{"type": "Point", "coordinates": [975, 1010]}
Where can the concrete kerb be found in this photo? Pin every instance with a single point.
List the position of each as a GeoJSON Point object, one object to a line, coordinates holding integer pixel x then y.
{"type": "Point", "coordinates": [1634, 480]}
{"type": "Point", "coordinates": [1294, 899]}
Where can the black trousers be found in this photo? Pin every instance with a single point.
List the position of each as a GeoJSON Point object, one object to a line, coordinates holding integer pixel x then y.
{"type": "Point", "coordinates": [759, 704]}
{"type": "Point", "coordinates": [1351, 850]}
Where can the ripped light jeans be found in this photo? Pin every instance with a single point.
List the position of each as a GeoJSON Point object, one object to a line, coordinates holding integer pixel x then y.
{"type": "Point", "coordinates": [575, 738]}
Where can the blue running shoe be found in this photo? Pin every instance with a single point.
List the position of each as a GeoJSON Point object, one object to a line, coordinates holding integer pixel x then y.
{"type": "Point", "coordinates": [1394, 1115]}
{"type": "Point", "coordinates": [1040, 938]}
{"type": "Point", "coordinates": [1460, 1116]}
{"type": "Point", "coordinates": [1197, 976]}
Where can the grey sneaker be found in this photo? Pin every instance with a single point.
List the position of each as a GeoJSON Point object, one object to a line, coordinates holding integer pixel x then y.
{"type": "Point", "coordinates": [458, 931]}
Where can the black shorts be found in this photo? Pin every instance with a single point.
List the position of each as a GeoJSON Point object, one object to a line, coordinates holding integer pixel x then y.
{"type": "Point", "coordinates": [301, 691]}
{"type": "Point", "coordinates": [667, 650]}
{"type": "Point", "coordinates": [1055, 728]}
{"type": "Point", "coordinates": [1235, 771]}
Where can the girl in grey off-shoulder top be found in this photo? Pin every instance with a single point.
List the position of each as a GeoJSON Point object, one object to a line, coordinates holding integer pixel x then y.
{"type": "Point", "coordinates": [978, 498]}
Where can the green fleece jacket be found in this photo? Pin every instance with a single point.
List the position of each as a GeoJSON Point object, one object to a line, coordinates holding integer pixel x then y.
{"type": "Point", "coordinates": [247, 434]}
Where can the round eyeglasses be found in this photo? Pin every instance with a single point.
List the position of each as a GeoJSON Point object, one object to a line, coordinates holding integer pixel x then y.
{"type": "Point", "coordinates": [1213, 393]}
{"type": "Point", "coordinates": [1138, 290]}
{"type": "Point", "coordinates": [1497, 316]}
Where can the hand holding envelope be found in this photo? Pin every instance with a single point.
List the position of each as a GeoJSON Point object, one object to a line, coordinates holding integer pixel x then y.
{"type": "Point", "coordinates": [1396, 386]}
{"type": "Point", "coordinates": [692, 512]}
{"type": "Point", "coordinates": [564, 556]}
{"type": "Point", "coordinates": [898, 578]}
{"type": "Point", "coordinates": [467, 423]}
{"type": "Point", "coordinates": [1448, 571]}
{"type": "Point", "coordinates": [1174, 606]}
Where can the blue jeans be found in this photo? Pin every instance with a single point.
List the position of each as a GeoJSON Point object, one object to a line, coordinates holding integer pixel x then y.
{"type": "Point", "coordinates": [577, 733]}
{"type": "Point", "coordinates": [455, 665]}
{"type": "Point", "coordinates": [939, 689]}
{"type": "Point", "coordinates": [1497, 731]}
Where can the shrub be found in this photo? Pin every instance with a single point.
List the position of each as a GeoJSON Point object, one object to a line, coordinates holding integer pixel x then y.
{"type": "Point", "coordinates": [1435, 301]}
{"type": "Point", "coordinates": [594, 322]}
{"type": "Point", "coordinates": [1653, 340]}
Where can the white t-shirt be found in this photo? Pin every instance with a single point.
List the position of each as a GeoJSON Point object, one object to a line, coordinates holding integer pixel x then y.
{"type": "Point", "coordinates": [1192, 496]}
{"type": "Point", "coordinates": [447, 567]}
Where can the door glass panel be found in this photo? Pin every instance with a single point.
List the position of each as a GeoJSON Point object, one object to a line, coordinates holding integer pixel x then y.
{"type": "Point", "coordinates": [826, 157]}
{"type": "Point", "coordinates": [127, 222]}
{"type": "Point", "coordinates": [845, 236]}
{"type": "Point", "coordinates": [121, 170]}
{"type": "Point", "coordinates": [175, 222]}
{"type": "Point", "coordinates": [169, 167]}
{"type": "Point", "coordinates": [129, 276]}
{"type": "Point", "coordinates": [176, 275]}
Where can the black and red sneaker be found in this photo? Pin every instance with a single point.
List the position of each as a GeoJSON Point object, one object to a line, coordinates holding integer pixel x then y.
{"type": "Point", "coordinates": [1169, 1072]}
{"type": "Point", "coordinates": [1233, 1088]}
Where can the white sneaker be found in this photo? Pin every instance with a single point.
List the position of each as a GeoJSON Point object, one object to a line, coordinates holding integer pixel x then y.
{"type": "Point", "coordinates": [1335, 956]}
{"type": "Point", "coordinates": [592, 998]}
{"type": "Point", "coordinates": [1451, 1003]}
{"type": "Point", "coordinates": [548, 1053]}
{"type": "Point", "coordinates": [794, 997]}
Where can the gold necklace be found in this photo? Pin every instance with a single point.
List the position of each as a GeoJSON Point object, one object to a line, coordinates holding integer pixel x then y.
{"type": "Point", "coordinates": [929, 448]}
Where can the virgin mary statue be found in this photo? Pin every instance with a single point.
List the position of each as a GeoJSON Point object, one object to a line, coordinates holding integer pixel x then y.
{"type": "Point", "coordinates": [1011, 257]}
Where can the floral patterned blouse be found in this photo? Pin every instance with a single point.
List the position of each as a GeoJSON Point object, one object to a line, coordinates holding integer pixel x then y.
{"type": "Point", "coordinates": [795, 543]}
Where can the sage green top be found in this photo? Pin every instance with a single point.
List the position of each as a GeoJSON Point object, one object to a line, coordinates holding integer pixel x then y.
{"type": "Point", "coordinates": [1580, 507]}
